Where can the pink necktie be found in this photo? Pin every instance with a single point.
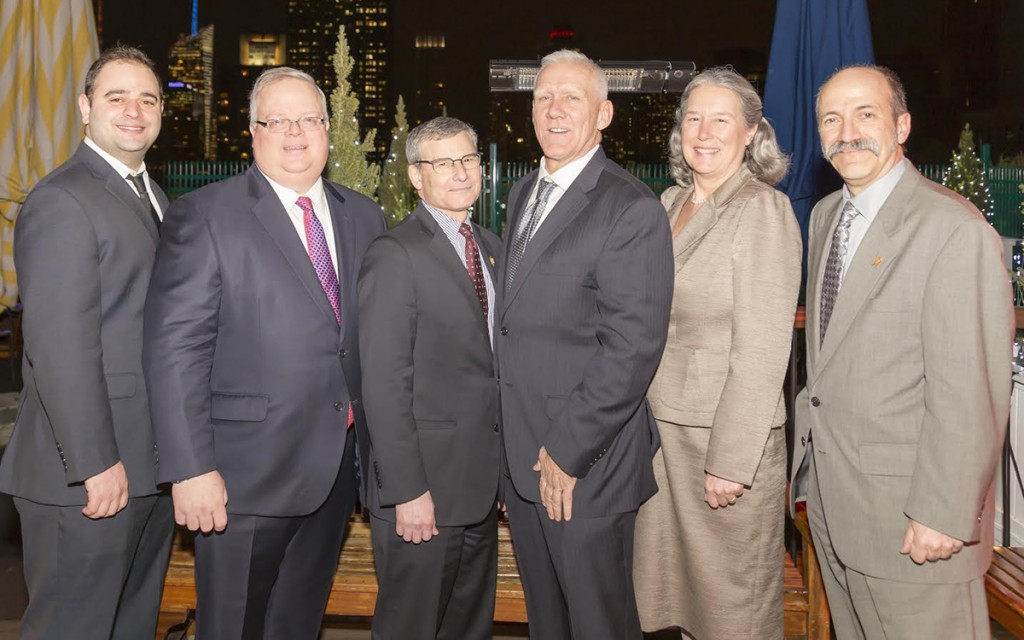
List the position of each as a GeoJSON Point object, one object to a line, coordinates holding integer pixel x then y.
{"type": "Point", "coordinates": [320, 256]}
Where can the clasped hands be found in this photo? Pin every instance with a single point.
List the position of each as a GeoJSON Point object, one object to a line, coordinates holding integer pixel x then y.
{"type": "Point", "coordinates": [556, 487]}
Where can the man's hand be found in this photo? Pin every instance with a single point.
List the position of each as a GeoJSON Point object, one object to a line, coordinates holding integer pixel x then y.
{"type": "Point", "coordinates": [414, 520]}
{"type": "Point", "coordinates": [928, 545]}
{"type": "Point", "coordinates": [107, 492]}
{"type": "Point", "coordinates": [555, 487]}
{"type": "Point", "coordinates": [200, 502]}
{"type": "Point", "coordinates": [719, 492]}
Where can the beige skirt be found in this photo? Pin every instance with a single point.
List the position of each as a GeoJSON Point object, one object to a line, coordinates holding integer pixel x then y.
{"type": "Point", "coordinates": [717, 574]}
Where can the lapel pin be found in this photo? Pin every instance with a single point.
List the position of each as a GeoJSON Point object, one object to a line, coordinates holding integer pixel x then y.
{"type": "Point", "coordinates": [877, 261]}
{"type": "Point", "coordinates": [491, 258]}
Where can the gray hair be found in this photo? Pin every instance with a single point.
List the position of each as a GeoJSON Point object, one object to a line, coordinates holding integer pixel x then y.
{"type": "Point", "coordinates": [763, 157]}
{"type": "Point", "coordinates": [440, 128]}
{"type": "Point", "coordinates": [897, 97]}
{"type": "Point", "coordinates": [270, 76]}
{"type": "Point", "coordinates": [575, 57]}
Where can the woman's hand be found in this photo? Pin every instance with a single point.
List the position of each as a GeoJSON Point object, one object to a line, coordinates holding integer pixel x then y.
{"type": "Point", "coordinates": [719, 492]}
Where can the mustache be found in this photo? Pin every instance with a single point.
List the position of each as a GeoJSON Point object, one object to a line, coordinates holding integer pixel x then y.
{"type": "Point", "coordinates": [860, 144]}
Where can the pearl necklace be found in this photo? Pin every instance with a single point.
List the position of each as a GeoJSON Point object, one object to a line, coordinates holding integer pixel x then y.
{"type": "Point", "coordinates": [695, 201]}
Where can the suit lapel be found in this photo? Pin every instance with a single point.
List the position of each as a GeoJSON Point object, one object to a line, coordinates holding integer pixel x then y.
{"type": "Point", "coordinates": [344, 246]}
{"type": "Point", "coordinates": [570, 205]}
{"type": "Point", "coordinates": [117, 186]}
{"type": "Point", "coordinates": [448, 259]}
{"type": "Point", "coordinates": [274, 218]}
{"type": "Point", "coordinates": [876, 254]}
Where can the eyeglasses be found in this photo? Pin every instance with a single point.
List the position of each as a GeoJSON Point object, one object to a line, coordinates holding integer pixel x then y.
{"type": "Point", "coordinates": [280, 125]}
{"type": "Point", "coordinates": [445, 166]}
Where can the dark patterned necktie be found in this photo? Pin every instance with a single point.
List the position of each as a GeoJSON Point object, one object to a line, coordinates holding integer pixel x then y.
{"type": "Point", "coordinates": [832, 278]}
{"type": "Point", "coordinates": [526, 229]}
{"type": "Point", "coordinates": [473, 266]}
{"type": "Point", "coordinates": [140, 186]}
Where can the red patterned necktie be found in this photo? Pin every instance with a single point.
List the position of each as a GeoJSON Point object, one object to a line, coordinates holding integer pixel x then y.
{"type": "Point", "coordinates": [320, 256]}
{"type": "Point", "coordinates": [473, 266]}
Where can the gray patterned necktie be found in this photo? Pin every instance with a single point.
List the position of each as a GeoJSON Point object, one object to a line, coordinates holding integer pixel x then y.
{"type": "Point", "coordinates": [526, 229]}
{"type": "Point", "coordinates": [832, 277]}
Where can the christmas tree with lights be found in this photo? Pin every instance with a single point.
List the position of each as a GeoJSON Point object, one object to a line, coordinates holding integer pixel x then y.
{"type": "Point", "coordinates": [966, 174]}
{"type": "Point", "coordinates": [348, 164]}
{"type": "Point", "coordinates": [396, 193]}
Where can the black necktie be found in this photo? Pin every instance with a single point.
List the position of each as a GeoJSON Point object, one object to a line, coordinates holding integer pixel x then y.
{"type": "Point", "coordinates": [140, 186]}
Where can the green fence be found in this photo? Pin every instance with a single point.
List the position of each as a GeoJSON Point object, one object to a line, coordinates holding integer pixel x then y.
{"type": "Point", "coordinates": [1004, 186]}
{"type": "Point", "coordinates": [180, 177]}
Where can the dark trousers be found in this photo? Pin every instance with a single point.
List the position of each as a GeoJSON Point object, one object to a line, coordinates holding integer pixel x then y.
{"type": "Point", "coordinates": [94, 579]}
{"type": "Point", "coordinates": [270, 578]}
{"type": "Point", "coordinates": [577, 575]}
{"type": "Point", "coordinates": [442, 589]}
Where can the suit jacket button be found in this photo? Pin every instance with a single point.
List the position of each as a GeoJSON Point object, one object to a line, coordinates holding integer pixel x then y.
{"type": "Point", "coordinates": [495, 427]}
{"type": "Point", "coordinates": [342, 353]}
{"type": "Point", "coordinates": [803, 441]}
{"type": "Point", "coordinates": [339, 406]}
{"type": "Point", "coordinates": [815, 402]}
{"type": "Point", "coordinates": [504, 331]}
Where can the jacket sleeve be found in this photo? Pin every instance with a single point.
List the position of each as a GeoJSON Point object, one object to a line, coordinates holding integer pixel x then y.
{"type": "Point", "coordinates": [967, 331]}
{"type": "Point", "coordinates": [57, 257]}
{"type": "Point", "coordinates": [179, 337]}
{"type": "Point", "coordinates": [765, 259]}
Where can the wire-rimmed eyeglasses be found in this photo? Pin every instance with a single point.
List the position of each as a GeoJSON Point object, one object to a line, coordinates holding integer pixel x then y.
{"type": "Point", "coordinates": [280, 125]}
{"type": "Point", "coordinates": [447, 165]}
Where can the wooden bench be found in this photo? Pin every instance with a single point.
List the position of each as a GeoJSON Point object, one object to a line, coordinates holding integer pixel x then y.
{"type": "Point", "coordinates": [355, 584]}
{"type": "Point", "coordinates": [1004, 588]}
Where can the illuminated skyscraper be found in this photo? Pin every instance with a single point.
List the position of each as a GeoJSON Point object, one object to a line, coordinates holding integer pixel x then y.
{"type": "Point", "coordinates": [189, 131]}
{"type": "Point", "coordinates": [312, 38]}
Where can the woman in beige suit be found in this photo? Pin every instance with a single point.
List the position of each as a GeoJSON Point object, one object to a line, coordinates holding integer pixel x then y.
{"type": "Point", "coordinates": [708, 552]}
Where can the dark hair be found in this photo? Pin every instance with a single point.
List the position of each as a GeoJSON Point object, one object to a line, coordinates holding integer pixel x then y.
{"type": "Point", "coordinates": [118, 53]}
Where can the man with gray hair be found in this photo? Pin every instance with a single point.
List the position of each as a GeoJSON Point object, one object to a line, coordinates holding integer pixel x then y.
{"type": "Point", "coordinates": [909, 328]}
{"type": "Point", "coordinates": [426, 302]}
{"type": "Point", "coordinates": [252, 353]}
{"type": "Point", "coordinates": [581, 327]}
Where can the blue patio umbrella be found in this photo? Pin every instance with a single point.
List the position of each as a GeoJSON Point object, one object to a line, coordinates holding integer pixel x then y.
{"type": "Point", "coordinates": [812, 38]}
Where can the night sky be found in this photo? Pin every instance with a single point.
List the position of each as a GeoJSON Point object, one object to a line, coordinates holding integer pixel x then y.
{"type": "Point", "coordinates": [954, 56]}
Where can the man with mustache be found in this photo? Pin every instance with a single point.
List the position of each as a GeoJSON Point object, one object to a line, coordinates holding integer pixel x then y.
{"type": "Point", "coordinates": [909, 327]}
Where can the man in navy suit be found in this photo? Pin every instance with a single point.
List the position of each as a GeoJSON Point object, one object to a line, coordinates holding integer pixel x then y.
{"type": "Point", "coordinates": [253, 355]}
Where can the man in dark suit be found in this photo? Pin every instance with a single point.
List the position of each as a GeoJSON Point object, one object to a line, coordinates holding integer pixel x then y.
{"type": "Point", "coordinates": [426, 300]}
{"type": "Point", "coordinates": [581, 327]}
{"type": "Point", "coordinates": [253, 355]}
{"type": "Point", "coordinates": [84, 247]}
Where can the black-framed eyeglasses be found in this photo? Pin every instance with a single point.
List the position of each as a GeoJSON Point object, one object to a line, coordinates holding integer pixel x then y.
{"type": "Point", "coordinates": [280, 125]}
{"type": "Point", "coordinates": [445, 166]}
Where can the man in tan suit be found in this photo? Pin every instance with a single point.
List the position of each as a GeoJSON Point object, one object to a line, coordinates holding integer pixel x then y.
{"type": "Point", "coordinates": [909, 327]}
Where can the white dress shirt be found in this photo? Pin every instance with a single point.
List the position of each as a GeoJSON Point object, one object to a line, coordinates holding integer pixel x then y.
{"type": "Point", "coordinates": [124, 171]}
{"type": "Point", "coordinates": [297, 216]}
{"type": "Point", "coordinates": [563, 179]}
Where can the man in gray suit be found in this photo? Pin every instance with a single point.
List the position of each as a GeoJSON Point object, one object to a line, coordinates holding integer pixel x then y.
{"type": "Point", "coordinates": [587, 286]}
{"type": "Point", "coordinates": [908, 379]}
{"type": "Point", "coordinates": [426, 300]}
{"type": "Point", "coordinates": [252, 351]}
{"type": "Point", "coordinates": [84, 247]}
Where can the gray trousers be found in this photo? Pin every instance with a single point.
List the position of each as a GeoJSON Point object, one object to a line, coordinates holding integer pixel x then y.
{"type": "Point", "coordinates": [94, 579]}
{"type": "Point", "coordinates": [868, 608]}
